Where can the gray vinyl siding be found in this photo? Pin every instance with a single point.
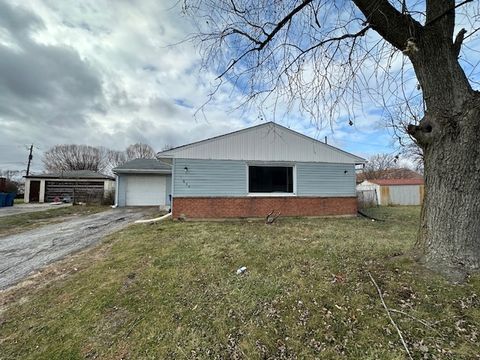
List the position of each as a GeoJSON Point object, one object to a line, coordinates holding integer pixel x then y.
{"type": "Point", "coordinates": [322, 179]}
{"type": "Point", "coordinates": [229, 178]}
{"type": "Point", "coordinates": [266, 142]}
{"type": "Point", "coordinates": [121, 187]}
{"type": "Point", "coordinates": [168, 191]}
{"type": "Point", "coordinates": [209, 178]}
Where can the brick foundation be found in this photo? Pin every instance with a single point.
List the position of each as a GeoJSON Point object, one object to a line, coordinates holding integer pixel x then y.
{"type": "Point", "coordinates": [250, 207]}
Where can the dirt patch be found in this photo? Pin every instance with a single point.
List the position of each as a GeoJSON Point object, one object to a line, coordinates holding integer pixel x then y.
{"type": "Point", "coordinates": [60, 270]}
{"type": "Point", "coordinates": [30, 251]}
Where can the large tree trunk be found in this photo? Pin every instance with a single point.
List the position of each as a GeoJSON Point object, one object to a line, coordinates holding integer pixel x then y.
{"type": "Point", "coordinates": [449, 134]}
{"type": "Point", "coordinates": [449, 237]}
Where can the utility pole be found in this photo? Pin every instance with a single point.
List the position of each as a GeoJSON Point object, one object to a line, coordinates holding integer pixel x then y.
{"type": "Point", "coordinates": [30, 157]}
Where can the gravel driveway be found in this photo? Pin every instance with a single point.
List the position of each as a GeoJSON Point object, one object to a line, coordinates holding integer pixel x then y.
{"type": "Point", "coordinates": [25, 252]}
{"type": "Point", "coordinates": [28, 208]}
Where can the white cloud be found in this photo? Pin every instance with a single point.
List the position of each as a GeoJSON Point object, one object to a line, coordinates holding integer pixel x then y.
{"type": "Point", "coordinates": [103, 73]}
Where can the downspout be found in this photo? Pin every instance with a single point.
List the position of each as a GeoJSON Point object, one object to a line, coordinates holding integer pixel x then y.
{"type": "Point", "coordinates": [172, 186]}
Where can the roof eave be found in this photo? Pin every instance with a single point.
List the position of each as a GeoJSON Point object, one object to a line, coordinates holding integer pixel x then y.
{"type": "Point", "coordinates": [68, 178]}
{"type": "Point", "coordinates": [141, 171]}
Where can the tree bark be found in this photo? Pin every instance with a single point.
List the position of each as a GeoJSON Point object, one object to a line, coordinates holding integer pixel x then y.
{"type": "Point", "coordinates": [449, 238]}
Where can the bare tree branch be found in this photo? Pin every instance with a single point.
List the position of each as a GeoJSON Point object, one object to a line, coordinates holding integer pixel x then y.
{"type": "Point", "coordinates": [390, 23]}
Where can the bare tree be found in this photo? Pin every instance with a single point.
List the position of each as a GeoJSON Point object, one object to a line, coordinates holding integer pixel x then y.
{"type": "Point", "coordinates": [323, 57]}
{"type": "Point", "coordinates": [378, 164]}
{"type": "Point", "coordinates": [140, 151]}
{"type": "Point", "coordinates": [112, 159]}
{"type": "Point", "coordinates": [397, 120]}
{"type": "Point", "coordinates": [13, 179]}
{"type": "Point", "coordinates": [167, 147]}
{"type": "Point", "coordinates": [387, 166]}
{"type": "Point", "coordinates": [13, 175]}
{"type": "Point", "coordinates": [73, 157]}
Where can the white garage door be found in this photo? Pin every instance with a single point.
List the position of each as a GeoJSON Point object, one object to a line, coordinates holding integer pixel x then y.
{"type": "Point", "coordinates": [145, 190]}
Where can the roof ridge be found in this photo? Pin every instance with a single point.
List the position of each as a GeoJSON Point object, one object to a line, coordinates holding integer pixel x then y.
{"type": "Point", "coordinates": [297, 133]}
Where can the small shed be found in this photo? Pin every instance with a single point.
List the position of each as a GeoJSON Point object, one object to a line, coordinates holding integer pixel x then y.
{"type": "Point", "coordinates": [77, 186]}
{"type": "Point", "coordinates": [394, 191]}
{"type": "Point", "coordinates": [143, 182]}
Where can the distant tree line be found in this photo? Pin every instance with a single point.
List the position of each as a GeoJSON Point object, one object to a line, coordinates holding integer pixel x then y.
{"type": "Point", "coordinates": [388, 166]}
{"type": "Point", "coordinates": [13, 179]}
{"type": "Point", "coordinates": [68, 157]}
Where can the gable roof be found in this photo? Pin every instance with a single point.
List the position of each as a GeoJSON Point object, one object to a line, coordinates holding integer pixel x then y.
{"type": "Point", "coordinates": [388, 182]}
{"type": "Point", "coordinates": [265, 142]}
{"type": "Point", "coordinates": [73, 174]}
{"type": "Point", "coordinates": [143, 166]}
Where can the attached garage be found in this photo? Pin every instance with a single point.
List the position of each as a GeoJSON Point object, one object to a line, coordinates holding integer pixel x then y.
{"type": "Point", "coordinates": [144, 190]}
{"type": "Point", "coordinates": [143, 182]}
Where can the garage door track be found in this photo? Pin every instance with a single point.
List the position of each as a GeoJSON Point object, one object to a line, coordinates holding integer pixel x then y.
{"type": "Point", "coordinates": [23, 253]}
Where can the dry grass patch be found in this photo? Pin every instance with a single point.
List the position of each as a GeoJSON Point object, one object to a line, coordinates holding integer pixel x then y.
{"type": "Point", "coordinates": [169, 290]}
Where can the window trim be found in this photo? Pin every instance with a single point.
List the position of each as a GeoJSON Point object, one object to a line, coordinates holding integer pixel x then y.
{"type": "Point", "coordinates": [272, 194]}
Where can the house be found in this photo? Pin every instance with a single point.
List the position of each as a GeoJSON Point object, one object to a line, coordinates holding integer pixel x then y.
{"type": "Point", "coordinates": [77, 186]}
{"type": "Point", "coordinates": [143, 182]}
{"type": "Point", "coordinates": [257, 170]}
{"type": "Point", "coordinates": [408, 191]}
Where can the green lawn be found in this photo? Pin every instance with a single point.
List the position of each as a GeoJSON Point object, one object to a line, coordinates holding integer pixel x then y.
{"type": "Point", "coordinates": [22, 222]}
{"type": "Point", "coordinates": [170, 291]}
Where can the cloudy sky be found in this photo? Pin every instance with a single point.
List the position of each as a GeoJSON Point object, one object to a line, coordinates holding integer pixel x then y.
{"type": "Point", "coordinates": [104, 72]}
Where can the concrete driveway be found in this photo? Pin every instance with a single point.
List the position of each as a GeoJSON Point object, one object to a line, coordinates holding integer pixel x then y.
{"type": "Point", "coordinates": [28, 208]}
{"type": "Point", "coordinates": [25, 252]}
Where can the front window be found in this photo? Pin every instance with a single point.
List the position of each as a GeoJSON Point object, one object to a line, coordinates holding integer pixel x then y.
{"type": "Point", "coordinates": [270, 179]}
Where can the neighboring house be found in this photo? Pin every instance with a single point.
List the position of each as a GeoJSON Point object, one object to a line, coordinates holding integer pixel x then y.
{"type": "Point", "coordinates": [265, 168]}
{"type": "Point", "coordinates": [78, 186]}
{"type": "Point", "coordinates": [393, 191]}
{"type": "Point", "coordinates": [143, 182]}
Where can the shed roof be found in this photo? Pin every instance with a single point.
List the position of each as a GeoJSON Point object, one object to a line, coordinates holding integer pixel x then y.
{"type": "Point", "coordinates": [388, 182]}
{"type": "Point", "coordinates": [265, 142]}
{"type": "Point", "coordinates": [144, 166]}
{"type": "Point", "coordinates": [72, 174]}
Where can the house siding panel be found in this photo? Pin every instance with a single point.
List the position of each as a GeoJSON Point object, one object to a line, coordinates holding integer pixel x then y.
{"type": "Point", "coordinates": [122, 190]}
{"type": "Point", "coordinates": [168, 192]}
{"type": "Point", "coordinates": [321, 179]}
{"type": "Point", "coordinates": [269, 142]}
{"type": "Point", "coordinates": [209, 178]}
{"type": "Point", "coordinates": [229, 178]}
